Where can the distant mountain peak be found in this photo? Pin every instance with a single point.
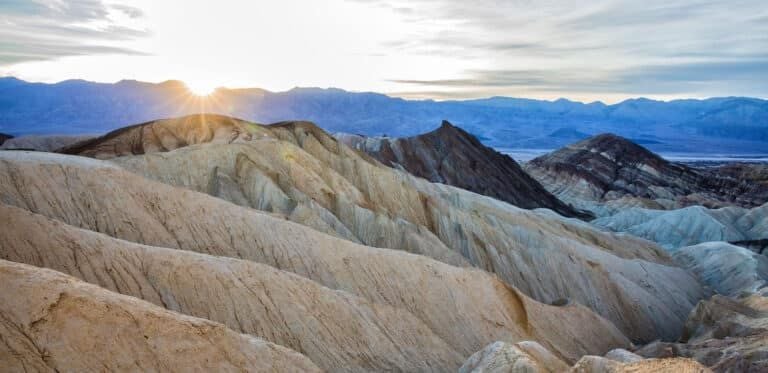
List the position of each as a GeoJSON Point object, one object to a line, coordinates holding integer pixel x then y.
{"type": "Point", "coordinates": [451, 155]}
{"type": "Point", "coordinates": [619, 148]}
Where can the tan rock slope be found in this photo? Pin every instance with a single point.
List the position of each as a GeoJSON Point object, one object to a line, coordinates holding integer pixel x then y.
{"type": "Point", "coordinates": [337, 330]}
{"type": "Point", "coordinates": [299, 172]}
{"type": "Point", "coordinates": [50, 322]}
{"type": "Point", "coordinates": [164, 135]}
{"type": "Point", "coordinates": [501, 357]}
{"type": "Point", "coordinates": [466, 308]}
{"type": "Point", "coordinates": [728, 335]}
{"type": "Point", "coordinates": [530, 357]}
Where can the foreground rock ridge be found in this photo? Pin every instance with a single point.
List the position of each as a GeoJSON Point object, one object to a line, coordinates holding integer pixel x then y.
{"type": "Point", "coordinates": [298, 171]}
{"type": "Point", "coordinates": [607, 167]}
{"type": "Point", "coordinates": [52, 323]}
{"type": "Point", "coordinates": [452, 156]}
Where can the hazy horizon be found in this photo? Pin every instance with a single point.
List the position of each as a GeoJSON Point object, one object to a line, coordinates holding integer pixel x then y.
{"type": "Point", "coordinates": [608, 51]}
{"type": "Point", "coordinates": [606, 102]}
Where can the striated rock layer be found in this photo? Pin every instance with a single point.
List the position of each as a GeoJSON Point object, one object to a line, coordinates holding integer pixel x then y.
{"type": "Point", "coordinates": [466, 308]}
{"type": "Point", "coordinates": [450, 155]}
{"type": "Point", "coordinates": [691, 225]}
{"type": "Point", "coordinates": [608, 167]}
{"type": "Point", "coordinates": [301, 173]}
{"type": "Point", "coordinates": [337, 330]}
{"type": "Point", "coordinates": [50, 322]}
{"type": "Point", "coordinates": [728, 269]}
{"type": "Point", "coordinates": [164, 135]}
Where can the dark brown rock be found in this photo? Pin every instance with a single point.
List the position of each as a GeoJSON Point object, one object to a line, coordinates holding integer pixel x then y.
{"type": "Point", "coordinates": [450, 155]}
{"type": "Point", "coordinates": [607, 167]}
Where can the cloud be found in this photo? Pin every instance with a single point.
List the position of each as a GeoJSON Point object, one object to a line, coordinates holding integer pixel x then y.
{"type": "Point", "coordinates": [705, 77]}
{"type": "Point", "coordinates": [37, 30]}
{"type": "Point", "coordinates": [622, 46]}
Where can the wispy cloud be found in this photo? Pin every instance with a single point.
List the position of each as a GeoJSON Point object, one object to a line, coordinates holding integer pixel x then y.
{"type": "Point", "coordinates": [698, 47]}
{"type": "Point", "coordinates": [35, 30]}
{"type": "Point", "coordinates": [661, 79]}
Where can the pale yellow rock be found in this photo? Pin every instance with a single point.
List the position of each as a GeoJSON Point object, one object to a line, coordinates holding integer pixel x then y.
{"type": "Point", "coordinates": [726, 334]}
{"type": "Point", "coordinates": [53, 322]}
{"type": "Point", "coordinates": [501, 357]}
{"type": "Point", "coordinates": [467, 308]}
{"type": "Point", "coordinates": [597, 364]}
{"type": "Point", "coordinates": [299, 172]}
{"type": "Point", "coordinates": [338, 331]}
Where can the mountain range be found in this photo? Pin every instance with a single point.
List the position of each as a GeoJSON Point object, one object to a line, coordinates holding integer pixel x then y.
{"type": "Point", "coordinates": [734, 125]}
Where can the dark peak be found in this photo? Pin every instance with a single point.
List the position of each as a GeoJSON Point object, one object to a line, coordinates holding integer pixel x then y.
{"type": "Point", "coordinates": [619, 147]}
{"type": "Point", "coordinates": [448, 129]}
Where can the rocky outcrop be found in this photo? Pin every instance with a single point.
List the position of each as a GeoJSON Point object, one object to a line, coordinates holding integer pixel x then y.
{"type": "Point", "coordinates": [530, 357]}
{"type": "Point", "coordinates": [50, 322]}
{"type": "Point", "coordinates": [691, 225]}
{"type": "Point", "coordinates": [501, 357]}
{"type": "Point", "coordinates": [299, 172]}
{"type": "Point", "coordinates": [607, 167]}
{"type": "Point", "coordinates": [164, 135]}
{"type": "Point", "coordinates": [754, 173]}
{"type": "Point", "coordinates": [725, 334]}
{"type": "Point", "coordinates": [728, 269]}
{"type": "Point", "coordinates": [466, 308]}
{"type": "Point", "coordinates": [47, 143]}
{"type": "Point", "coordinates": [597, 364]}
{"type": "Point", "coordinates": [450, 155]}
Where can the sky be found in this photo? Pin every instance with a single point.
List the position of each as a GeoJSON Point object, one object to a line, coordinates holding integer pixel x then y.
{"type": "Point", "coordinates": [605, 50]}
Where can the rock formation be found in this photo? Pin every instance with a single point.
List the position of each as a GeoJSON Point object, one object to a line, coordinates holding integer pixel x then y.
{"type": "Point", "coordinates": [728, 269]}
{"type": "Point", "coordinates": [500, 357]}
{"type": "Point", "coordinates": [531, 357]}
{"type": "Point", "coordinates": [597, 364]}
{"type": "Point", "coordinates": [50, 322]}
{"type": "Point", "coordinates": [608, 167]}
{"type": "Point", "coordinates": [691, 225]}
{"type": "Point", "coordinates": [298, 171]}
{"type": "Point", "coordinates": [450, 155]}
{"type": "Point", "coordinates": [164, 135]}
{"type": "Point", "coordinates": [336, 330]}
{"type": "Point", "coordinates": [46, 143]}
{"type": "Point", "coordinates": [725, 334]}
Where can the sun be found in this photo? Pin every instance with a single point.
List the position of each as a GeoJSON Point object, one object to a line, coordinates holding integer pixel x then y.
{"type": "Point", "coordinates": [200, 88]}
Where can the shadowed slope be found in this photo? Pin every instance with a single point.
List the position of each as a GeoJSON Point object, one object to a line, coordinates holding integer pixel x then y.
{"type": "Point", "coordinates": [164, 135]}
{"type": "Point", "coordinates": [607, 167]}
{"type": "Point", "coordinates": [452, 156]}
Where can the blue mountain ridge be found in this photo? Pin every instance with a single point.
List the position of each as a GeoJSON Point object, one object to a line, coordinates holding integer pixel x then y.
{"type": "Point", "coordinates": [735, 125]}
